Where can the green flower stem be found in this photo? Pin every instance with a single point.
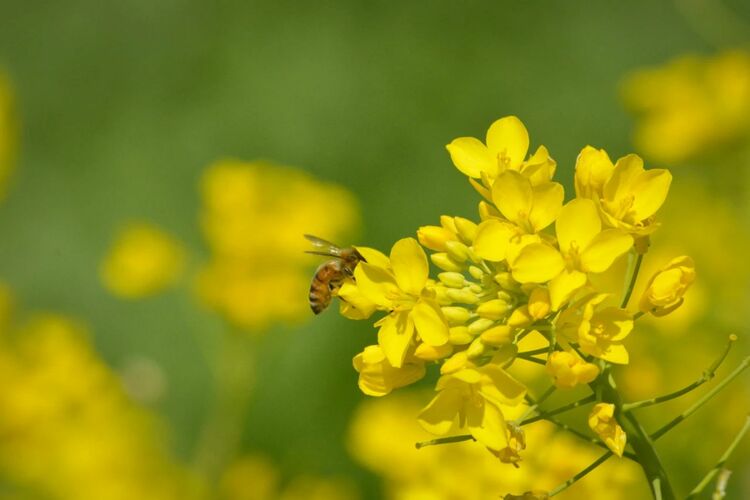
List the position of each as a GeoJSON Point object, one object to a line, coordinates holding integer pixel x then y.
{"type": "Point", "coordinates": [639, 440]}
{"type": "Point", "coordinates": [445, 440]}
{"type": "Point", "coordinates": [705, 399]}
{"type": "Point", "coordinates": [546, 414]}
{"type": "Point", "coordinates": [596, 463]}
{"type": "Point", "coordinates": [718, 467]}
{"type": "Point", "coordinates": [221, 434]}
{"type": "Point", "coordinates": [531, 359]}
{"type": "Point", "coordinates": [535, 352]}
{"type": "Point", "coordinates": [587, 438]}
{"type": "Point", "coordinates": [631, 283]}
{"type": "Point", "coordinates": [705, 377]}
{"type": "Point", "coordinates": [535, 404]}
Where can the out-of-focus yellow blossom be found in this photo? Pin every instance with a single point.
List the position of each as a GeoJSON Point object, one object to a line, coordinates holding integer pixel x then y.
{"type": "Point", "coordinates": [399, 284]}
{"type": "Point", "coordinates": [691, 106]}
{"type": "Point", "coordinates": [253, 477]}
{"type": "Point", "coordinates": [602, 422]}
{"type": "Point", "coordinates": [382, 437]}
{"type": "Point", "coordinates": [666, 289]}
{"type": "Point", "coordinates": [253, 217]}
{"type": "Point", "coordinates": [143, 260]}
{"type": "Point", "coordinates": [598, 331]}
{"type": "Point", "coordinates": [377, 377]}
{"type": "Point", "coordinates": [471, 397]}
{"type": "Point", "coordinates": [69, 430]}
{"type": "Point", "coordinates": [627, 195]}
{"type": "Point", "coordinates": [8, 133]}
{"type": "Point", "coordinates": [568, 369]}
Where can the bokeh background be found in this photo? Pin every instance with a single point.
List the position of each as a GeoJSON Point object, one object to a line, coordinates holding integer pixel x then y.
{"type": "Point", "coordinates": [121, 107]}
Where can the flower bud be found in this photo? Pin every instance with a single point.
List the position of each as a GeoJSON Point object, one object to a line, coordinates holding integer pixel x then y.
{"type": "Point", "coordinates": [434, 237]}
{"type": "Point", "coordinates": [487, 211]}
{"type": "Point", "coordinates": [539, 303]}
{"type": "Point", "coordinates": [452, 279]}
{"type": "Point", "coordinates": [667, 287]}
{"type": "Point", "coordinates": [520, 317]}
{"type": "Point", "coordinates": [456, 362]}
{"type": "Point", "coordinates": [456, 315]}
{"type": "Point", "coordinates": [498, 335]}
{"type": "Point", "coordinates": [457, 250]}
{"type": "Point", "coordinates": [459, 335]}
{"type": "Point", "coordinates": [505, 280]}
{"type": "Point", "coordinates": [493, 309]}
{"type": "Point", "coordinates": [446, 263]}
{"type": "Point", "coordinates": [476, 272]}
{"type": "Point", "coordinates": [569, 370]}
{"type": "Point", "coordinates": [476, 349]}
{"type": "Point", "coordinates": [463, 296]}
{"type": "Point", "coordinates": [467, 229]}
{"type": "Point", "coordinates": [480, 325]}
{"type": "Point", "coordinates": [448, 223]}
{"type": "Point", "coordinates": [602, 422]}
{"type": "Point", "coordinates": [433, 353]}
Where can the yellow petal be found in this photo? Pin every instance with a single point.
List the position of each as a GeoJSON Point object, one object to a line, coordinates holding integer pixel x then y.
{"type": "Point", "coordinates": [508, 137]}
{"type": "Point", "coordinates": [374, 257]}
{"type": "Point", "coordinates": [624, 177]}
{"type": "Point", "coordinates": [410, 266]}
{"type": "Point", "coordinates": [499, 387]}
{"type": "Point", "coordinates": [615, 353]}
{"type": "Point", "coordinates": [487, 424]}
{"type": "Point", "coordinates": [492, 239]}
{"type": "Point", "coordinates": [650, 191]}
{"type": "Point", "coordinates": [431, 353]}
{"type": "Point", "coordinates": [440, 415]}
{"type": "Point", "coordinates": [604, 249]}
{"type": "Point", "coordinates": [540, 167]}
{"type": "Point", "coordinates": [513, 196]}
{"type": "Point", "coordinates": [376, 284]}
{"type": "Point", "coordinates": [548, 200]}
{"type": "Point", "coordinates": [579, 222]}
{"type": "Point", "coordinates": [471, 157]}
{"type": "Point", "coordinates": [430, 323]}
{"type": "Point", "coordinates": [537, 263]}
{"type": "Point", "coordinates": [354, 303]}
{"type": "Point", "coordinates": [593, 170]}
{"type": "Point", "coordinates": [395, 336]}
{"type": "Point", "coordinates": [564, 286]}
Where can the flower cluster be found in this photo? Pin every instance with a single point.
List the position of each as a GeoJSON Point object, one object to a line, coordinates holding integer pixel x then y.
{"type": "Point", "coordinates": [526, 266]}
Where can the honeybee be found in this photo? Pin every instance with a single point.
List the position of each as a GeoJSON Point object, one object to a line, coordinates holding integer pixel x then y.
{"type": "Point", "coordinates": [331, 274]}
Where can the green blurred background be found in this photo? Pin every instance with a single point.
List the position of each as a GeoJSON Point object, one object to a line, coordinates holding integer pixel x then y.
{"type": "Point", "coordinates": [123, 104]}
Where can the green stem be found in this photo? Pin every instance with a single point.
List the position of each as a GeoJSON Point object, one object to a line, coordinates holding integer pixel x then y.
{"type": "Point", "coordinates": [587, 438]}
{"type": "Point", "coordinates": [707, 375]}
{"type": "Point", "coordinates": [596, 463]}
{"type": "Point", "coordinates": [717, 468]}
{"type": "Point", "coordinates": [705, 399]}
{"type": "Point", "coordinates": [639, 440]}
{"type": "Point", "coordinates": [546, 414]}
{"type": "Point", "coordinates": [220, 436]}
{"type": "Point", "coordinates": [535, 404]}
{"type": "Point", "coordinates": [445, 440]}
{"type": "Point", "coordinates": [535, 352]}
{"type": "Point", "coordinates": [531, 359]}
{"type": "Point", "coordinates": [631, 284]}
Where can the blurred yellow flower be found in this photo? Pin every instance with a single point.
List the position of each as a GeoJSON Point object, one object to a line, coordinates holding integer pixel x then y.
{"type": "Point", "coordinates": [8, 133]}
{"type": "Point", "coordinates": [382, 437]}
{"type": "Point", "coordinates": [691, 106]}
{"type": "Point", "coordinates": [602, 422]}
{"type": "Point", "coordinates": [666, 289]}
{"type": "Point", "coordinates": [69, 430]}
{"type": "Point", "coordinates": [253, 217]}
{"type": "Point", "coordinates": [253, 477]}
{"type": "Point", "coordinates": [142, 261]}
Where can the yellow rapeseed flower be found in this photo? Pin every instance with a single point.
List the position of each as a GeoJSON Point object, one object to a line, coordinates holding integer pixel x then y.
{"type": "Point", "coordinates": [691, 106]}
{"type": "Point", "coordinates": [377, 377]}
{"type": "Point", "coordinates": [666, 289]}
{"type": "Point", "coordinates": [602, 422]}
{"type": "Point", "coordinates": [568, 370]}
{"type": "Point", "coordinates": [143, 260]}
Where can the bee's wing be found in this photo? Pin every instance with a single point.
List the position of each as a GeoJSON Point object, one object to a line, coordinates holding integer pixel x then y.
{"type": "Point", "coordinates": [323, 247]}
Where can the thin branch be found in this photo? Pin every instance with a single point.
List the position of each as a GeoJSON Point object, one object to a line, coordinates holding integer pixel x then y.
{"type": "Point", "coordinates": [707, 397]}
{"type": "Point", "coordinates": [631, 285]}
{"type": "Point", "coordinates": [717, 468]}
{"type": "Point", "coordinates": [535, 352]}
{"type": "Point", "coordinates": [707, 375]}
{"type": "Point", "coordinates": [531, 359]}
{"type": "Point", "coordinates": [545, 414]}
{"type": "Point", "coordinates": [445, 440]}
{"type": "Point", "coordinates": [596, 463]}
